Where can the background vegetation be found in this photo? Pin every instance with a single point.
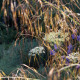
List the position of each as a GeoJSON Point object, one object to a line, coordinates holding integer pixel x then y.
{"type": "Point", "coordinates": [52, 24]}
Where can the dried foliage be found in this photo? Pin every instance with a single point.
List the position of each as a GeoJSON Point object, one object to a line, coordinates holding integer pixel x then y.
{"type": "Point", "coordinates": [40, 18]}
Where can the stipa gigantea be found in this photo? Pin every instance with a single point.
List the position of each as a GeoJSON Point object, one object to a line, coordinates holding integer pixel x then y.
{"type": "Point", "coordinates": [5, 12]}
{"type": "Point", "coordinates": [8, 2]}
{"type": "Point", "coordinates": [3, 5]}
{"type": "Point", "coordinates": [51, 19]}
{"type": "Point", "coordinates": [14, 19]}
{"type": "Point", "coordinates": [40, 2]}
{"type": "Point", "coordinates": [12, 6]}
{"type": "Point", "coordinates": [19, 13]}
{"type": "Point", "coordinates": [29, 15]}
{"type": "Point", "coordinates": [1, 76]}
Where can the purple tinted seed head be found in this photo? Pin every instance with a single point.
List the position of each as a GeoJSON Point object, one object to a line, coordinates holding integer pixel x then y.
{"type": "Point", "coordinates": [67, 60]}
{"type": "Point", "coordinates": [73, 36]}
{"type": "Point", "coordinates": [61, 62]}
{"type": "Point", "coordinates": [69, 51]}
{"type": "Point", "coordinates": [78, 66]}
{"type": "Point", "coordinates": [52, 52]}
{"type": "Point", "coordinates": [78, 38]}
{"type": "Point", "coordinates": [70, 47]}
{"type": "Point", "coordinates": [62, 57]}
{"type": "Point", "coordinates": [74, 30]}
{"type": "Point", "coordinates": [55, 47]}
